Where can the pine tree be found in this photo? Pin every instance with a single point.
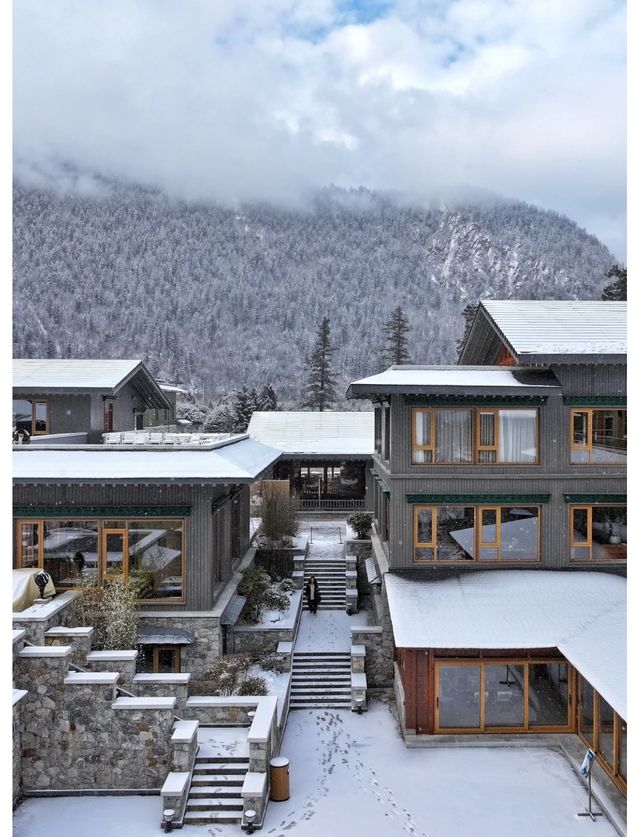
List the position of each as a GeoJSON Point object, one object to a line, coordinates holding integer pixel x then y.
{"type": "Point", "coordinates": [396, 329]}
{"type": "Point", "coordinates": [243, 407]}
{"type": "Point", "coordinates": [469, 314]}
{"type": "Point", "coordinates": [616, 291]}
{"type": "Point", "coordinates": [267, 400]}
{"type": "Point", "coordinates": [321, 388]}
{"type": "Point", "coordinates": [222, 419]}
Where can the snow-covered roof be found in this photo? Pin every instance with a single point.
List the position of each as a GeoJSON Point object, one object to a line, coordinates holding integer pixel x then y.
{"type": "Point", "coordinates": [583, 614]}
{"type": "Point", "coordinates": [238, 460]}
{"type": "Point", "coordinates": [460, 380]}
{"type": "Point", "coordinates": [324, 433]}
{"type": "Point", "coordinates": [551, 328]}
{"type": "Point", "coordinates": [42, 376]}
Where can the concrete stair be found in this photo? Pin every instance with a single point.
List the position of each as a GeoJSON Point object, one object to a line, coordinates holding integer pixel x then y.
{"type": "Point", "coordinates": [330, 574]}
{"type": "Point", "coordinates": [321, 679]}
{"type": "Point", "coordinates": [215, 792]}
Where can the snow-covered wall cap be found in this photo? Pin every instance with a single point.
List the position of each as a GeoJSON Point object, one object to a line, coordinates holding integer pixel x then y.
{"type": "Point", "coordinates": [534, 327]}
{"type": "Point", "coordinates": [458, 380]}
{"type": "Point", "coordinates": [237, 462]}
{"type": "Point", "coordinates": [583, 614]}
{"type": "Point", "coordinates": [315, 433]}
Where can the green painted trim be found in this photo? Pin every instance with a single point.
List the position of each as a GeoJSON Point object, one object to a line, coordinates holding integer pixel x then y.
{"type": "Point", "coordinates": [585, 499]}
{"type": "Point", "coordinates": [479, 499]}
{"type": "Point", "coordinates": [473, 400]}
{"type": "Point", "coordinates": [102, 511]}
{"type": "Point", "coordinates": [595, 400]}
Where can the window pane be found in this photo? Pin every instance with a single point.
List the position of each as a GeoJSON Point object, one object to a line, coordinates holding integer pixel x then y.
{"type": "Point", "coordinates": [517, 436]}
{"type": "Point", "coordinates": [113, 553]}
{"type": "Point", "coordinates": [609, 532]}
{"type": "Point", "coordinates": [585, 709]}
{"type": "Point", "coordinates": [504, 696]}
{"type": "Point", "coordinates": [622, 750]}
{"type": "Point", "coordinates": [423, 428]}
{"type": "Point", "coordinates": [425, 524]}
{"type": "Point", "coordinates": [22, 414]}
{"type": "Point", "coordinates": [489, 535]}
{"type": "Point", "coordinates": [606, 731]}
{"type": "Point", "coordinates": [155, 557]}
{"type": "Point", "coordinates": [29, 544]}
{"type": "Point", "coordinates": [422, 457]}
{"type": "Point", "coordinates": [166, 660]}
{"type": "Point", "coordinates": [71, 551]}
{"type": "Point", "coordinates": [487, 429]}
{"type": "Point", "coordinates": [455, 533]}
{"type": "Point", "coordinates": [580, 428]}
{"type": "Point", "coordinates": [548, 694]}
{"type": "Point", "coordinates": [519, 534]}
{"type": "Point", "coordinates": [609, 436]}
{"type": "Point", "coordinates": [453, 436]}
{"type": "Point", "coordinates": [459, 697]}
{"type": "Point", "coordinates": [423, 553]}
{"type": "Point", "coordinates": [40, 417]}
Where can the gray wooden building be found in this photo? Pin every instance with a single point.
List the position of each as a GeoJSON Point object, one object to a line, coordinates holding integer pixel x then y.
{"type": "Point", "coordinates": [515, 459]}
{"type": "Point", "coordinates": [175, 518]}
{"type": "Point", "coordinates": [77, 401]}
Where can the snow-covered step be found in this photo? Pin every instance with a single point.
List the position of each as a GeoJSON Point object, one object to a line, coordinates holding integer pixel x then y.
{"type": "Point", "coordinates": [215, 791]}
{"type": "Point", "coordinates": [320, 679]}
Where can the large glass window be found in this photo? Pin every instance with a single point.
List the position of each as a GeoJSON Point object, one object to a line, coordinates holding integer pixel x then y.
{"type": "Point", "coordinates": [155, 557]}
{"type": "Point", "coordinates": [598, 533]}
{"type": "Point", "coordinates": [599, 436]}
{"type": "Point", "coordinates": [30, 416]}
{"type": "Point", "coordinates": [459, 696]}
{"type": "Point", "coordinates": [72, 551]}
{"type": "Point", "coordinates": [484, 533]}
{"type": "Point", "coordinates": [507, 694]}
{"type": "Point", "coordinates": [459, 436]}
{"type": "Point", "coordinates": [548, 694]}
{"type": "Point", "coordinates": [605, 731]}
{"type": "Point", "coordinates": [585, 710]}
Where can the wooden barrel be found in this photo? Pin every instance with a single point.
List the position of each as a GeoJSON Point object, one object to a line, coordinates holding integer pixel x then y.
{"type": "Point", "coordinates": [279, 779]}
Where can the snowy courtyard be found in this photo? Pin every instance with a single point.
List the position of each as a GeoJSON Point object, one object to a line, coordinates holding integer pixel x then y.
{"type": "Point", "coordinates": [352, 775]}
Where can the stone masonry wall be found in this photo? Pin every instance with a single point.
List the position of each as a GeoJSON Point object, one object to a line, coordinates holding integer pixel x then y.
{"type": "Point", "coordinates": [17, 751]}
{"type": "Point", "coordinates": [73, 739]}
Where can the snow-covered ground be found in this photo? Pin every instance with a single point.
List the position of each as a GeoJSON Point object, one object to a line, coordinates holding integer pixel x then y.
{"type": "Point", "coordinates": [327, 630]}
{"type": "Point", "coordinates": [352, 775]}
{"type": "Point", "coordinates": [282, 618]}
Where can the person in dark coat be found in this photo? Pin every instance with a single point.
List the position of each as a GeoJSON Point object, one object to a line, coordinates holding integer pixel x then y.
{"type": "Point", "coordinates": [312, 592]}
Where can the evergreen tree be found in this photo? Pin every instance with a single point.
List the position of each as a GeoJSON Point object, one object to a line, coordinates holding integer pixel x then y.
{"type": "Point", "coordinates": [221, 420]}
{"type": "Point", "coordinates": [321, 388]}
{"type": "Point", "coordinates": [617, 290]}
{"type": "Point", "coordinates": [469, 314]}
{"type": "Point", "coordinates": [243, 407]}
{"type": "Point", "coordinates": [267, 400]}
{"type": "Point", "coordinates": [396, 329]}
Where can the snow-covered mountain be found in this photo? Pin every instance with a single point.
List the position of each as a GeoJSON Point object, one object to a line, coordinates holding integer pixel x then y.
{"type": "Point", "coordinates": [220, 297]}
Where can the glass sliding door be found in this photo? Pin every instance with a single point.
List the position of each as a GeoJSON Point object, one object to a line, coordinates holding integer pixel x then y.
{"type": "Point", "coordinates": [458, 701]}
{"type": "Point", "coordinates": [548, 694]}
{"type": "Point", "coordinates": [585, 710]}
{"type": "Point", "coordinates": [504, 695]}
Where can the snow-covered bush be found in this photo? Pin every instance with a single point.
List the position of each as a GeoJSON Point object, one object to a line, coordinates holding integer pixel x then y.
{"type": "Point", "coordinates": [253, 686]}
{"type": "Point", "coordinates": [271, 661]}
{"type": "Point", "coordinates": [287, 585]}
{"type": "Point", "coordinates": [111, 610]}
{"type": "Point", "coordinates": [361, 523]}
{"type": "Point", "coordinates": [275, 600]}
{"type": "Point", "coordinates": [255, 583]}
{"type": "Point", "coordinates": [225, 674]}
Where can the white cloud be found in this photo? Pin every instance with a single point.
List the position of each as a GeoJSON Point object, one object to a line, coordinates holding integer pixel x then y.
{"type": "Point", "coordinates": [272, 98]}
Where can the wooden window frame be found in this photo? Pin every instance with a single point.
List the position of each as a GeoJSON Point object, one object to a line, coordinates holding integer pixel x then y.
{"type": "Point", "coordinates": [101, 575]}
{"type": "Point", "coordinates": [589, 542]}
{"type": "Point", "coordinates": [483, 728]}
{"type": "Point", "coordinates": [107, 415]}
{"type": "Point", "coordinates": [613, 771]}
{"type": "Point", "coordinates": [478, 543]}
{"type": "Point", "coordinates": [588, 447]}
{"type": "Point", "coordinates": [105, 531]}
{"type": "Point", "coordinates": [476, 448]}
{"type": "Point", "coordinates": [34, 402]}
{"type": "Point", "coordinates": [175, 649]}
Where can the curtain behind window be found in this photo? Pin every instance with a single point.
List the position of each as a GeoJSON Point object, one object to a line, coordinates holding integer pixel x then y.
{"type": "Point", "coordinates": [453, 436]}
{"type": "Point", "coordinates": [517, 436]}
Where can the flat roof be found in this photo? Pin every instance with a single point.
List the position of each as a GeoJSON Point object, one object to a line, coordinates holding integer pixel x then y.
{"type": "Point", "coordinates": [459, 380]}
{"type": "Point", "coordinates": [551, 329]}
{"type": "Point", "coordinates": [238, 460]}
{"type": "Point", "coordinates": [327, 433]}
{"type": "Point", "coordinates": [583, 614]}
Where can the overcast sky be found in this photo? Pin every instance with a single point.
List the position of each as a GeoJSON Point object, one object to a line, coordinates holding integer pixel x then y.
{"type": "Point", "coordinates": [237, 100]}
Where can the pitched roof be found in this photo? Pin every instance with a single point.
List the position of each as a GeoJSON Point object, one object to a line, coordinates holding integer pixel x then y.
{"type": "Point", "coordinates": [556, 330]}
{"type": "Point", "coordinates": [41, 376]}
{"type": "Point", "coordinates": [326, 433]}
{"type": "Point", "coordinates": [460, 380]}
{"type": "Point", "coordinates": [583, 614]}
{"type": "Point", "coordinates": [237, 460]}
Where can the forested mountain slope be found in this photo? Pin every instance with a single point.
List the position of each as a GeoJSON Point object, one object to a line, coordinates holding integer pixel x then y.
{"type": "Point", "coordinates": [217, 297]}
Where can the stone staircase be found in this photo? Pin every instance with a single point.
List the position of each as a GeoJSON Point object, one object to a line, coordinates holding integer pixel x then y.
{"type": "Point", "coordinates": [214, 795]}
{"type": "Point", "coordinates": [320, 679]}
{"type": "Point", "coordinates": [330, 574]}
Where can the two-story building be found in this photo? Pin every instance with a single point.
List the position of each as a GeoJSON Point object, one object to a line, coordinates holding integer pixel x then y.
{"type": "Point", "coordinates": [76, 401]}
{"type": "Point", "coordinates": [500, 506]}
